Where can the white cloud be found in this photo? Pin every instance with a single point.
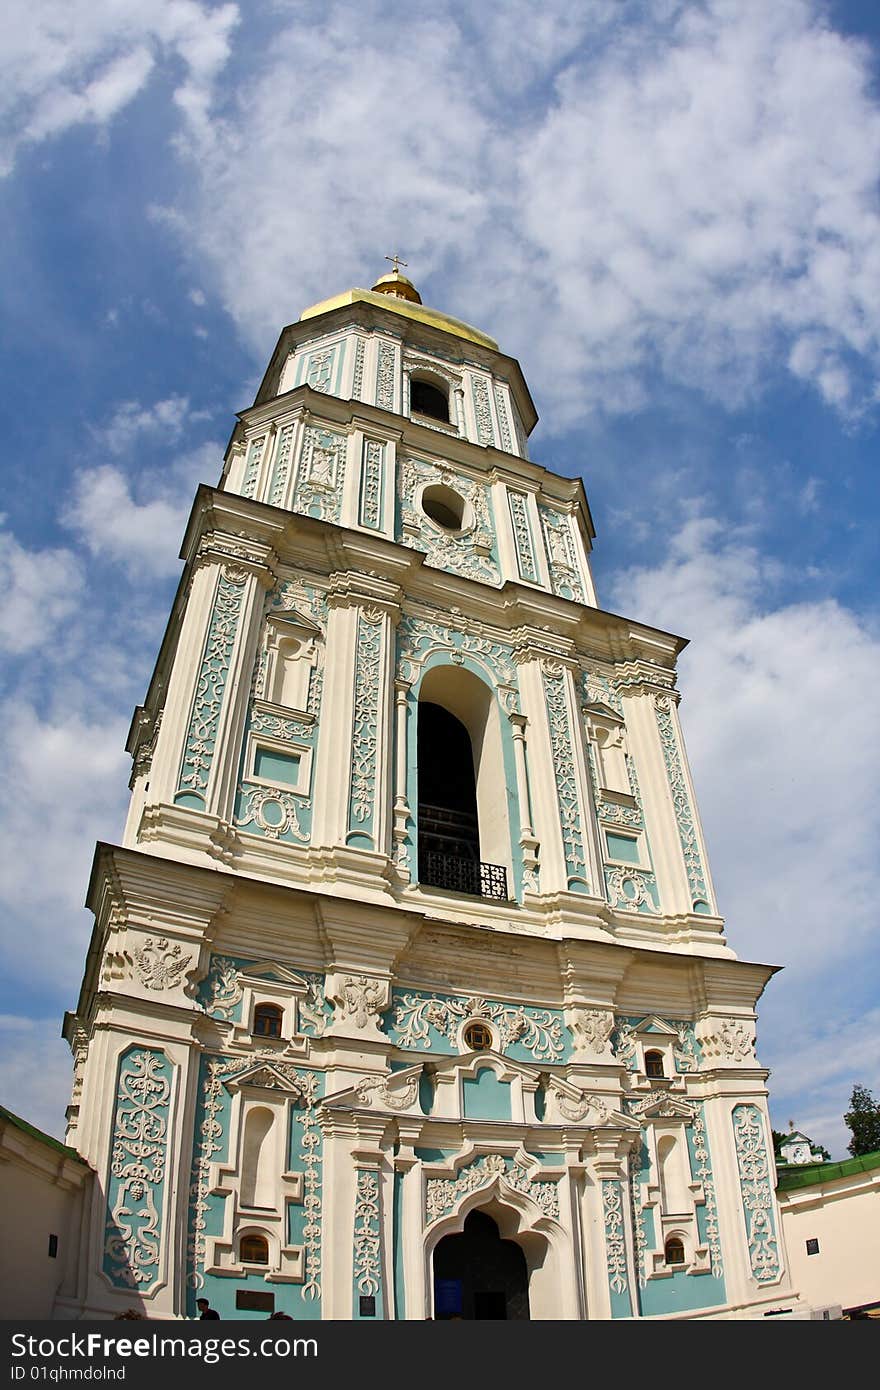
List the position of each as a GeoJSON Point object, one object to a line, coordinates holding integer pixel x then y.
{"type": "Point", "coordinates": [779, 710]}
{"type": "Point", "coordinates": [36, 1071]}
{"type": "Point", "coordinates": [65, 779]}
{"type": "Point", "coordinates": [131, 421]}
{"type": "Point", "coordinates": [142, 536]}
{"type": "Point", "coordinates": [39, 589]}
{"type": "Point", "coordinates": [689, 189]}
{"type": "Point", "coordinates": [69, 62]}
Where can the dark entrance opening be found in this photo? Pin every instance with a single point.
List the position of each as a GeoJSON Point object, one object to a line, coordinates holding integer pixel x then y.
{"type": "Point", "coordinates": [449, 838]}
{"type": "Point", "coordinates": [479, 1275]}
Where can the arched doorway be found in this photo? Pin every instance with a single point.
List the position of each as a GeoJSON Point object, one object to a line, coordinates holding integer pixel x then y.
{"type": "Point", "coordinates": [477, 1275]}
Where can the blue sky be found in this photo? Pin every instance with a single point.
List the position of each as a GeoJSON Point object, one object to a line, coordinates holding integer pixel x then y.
{"type": "Point", "coordinates": [667, 210]}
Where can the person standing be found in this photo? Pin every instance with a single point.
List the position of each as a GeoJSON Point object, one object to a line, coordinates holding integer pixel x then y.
{"type": "Point", "coordinates": [205, 1310]}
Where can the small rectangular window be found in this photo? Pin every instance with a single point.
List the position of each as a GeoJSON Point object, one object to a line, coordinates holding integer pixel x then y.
{"type": "Point", "coordinates": [623, 847]}
{"type": "Point", "coordinates": [277, 767]}
{"type": "Point", "coordinates": [53, 1247]}
{"type": "Point", "coordinates": [812, 1246]}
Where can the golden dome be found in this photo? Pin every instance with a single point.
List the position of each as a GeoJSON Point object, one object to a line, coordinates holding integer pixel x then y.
{"type": "Point", "coordinates": [398, 285]}
{"type": "Point", "coordinates": [386, 294]}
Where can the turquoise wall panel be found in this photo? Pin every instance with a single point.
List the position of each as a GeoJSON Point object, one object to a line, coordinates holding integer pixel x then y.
{"type": "Point", "coordinates": [485, 1097]}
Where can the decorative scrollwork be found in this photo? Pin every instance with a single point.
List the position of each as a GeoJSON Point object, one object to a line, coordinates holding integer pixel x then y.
{"type": "Point", "coordinates": [564, 771]}
{"type": "Point", "coordinates": [137, 1169]}
{"type": "Point", "coordinates": [538, 1031]}
{"type": "Point", "coordinates": [276, 813]}
{"type": "Point", "coordinates": [684, 814]}
{"type": "Point", "coordinates": [198, 752]}
{"type": "Point", "coordinates": [364, 748]}
{"type": "Point", "coordinates": [442, 1195]}
{"type": "Point", "coordinates": [367, 1258]}
{"type": "Point", "coordinates": [757, 1192]}
{"type": "Point", "coordinates": [615, 1247]}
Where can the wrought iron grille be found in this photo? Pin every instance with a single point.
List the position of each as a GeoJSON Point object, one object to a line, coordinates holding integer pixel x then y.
{"type": "Point", "coordinates": [462, 875]}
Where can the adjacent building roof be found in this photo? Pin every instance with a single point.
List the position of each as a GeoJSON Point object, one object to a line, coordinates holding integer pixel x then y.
{"type": "Point", "coordinates": [814, 1174]}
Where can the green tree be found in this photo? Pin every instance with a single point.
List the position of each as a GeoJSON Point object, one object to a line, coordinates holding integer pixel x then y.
{"type": "Point", "coordinates": [863, 1120]}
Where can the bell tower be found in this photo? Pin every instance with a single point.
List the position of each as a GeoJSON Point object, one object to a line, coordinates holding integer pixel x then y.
{"type": "Point", "coordinates": [410, 948]}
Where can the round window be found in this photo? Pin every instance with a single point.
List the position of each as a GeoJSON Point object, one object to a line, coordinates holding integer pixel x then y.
{"type": "Point", "coordinates": [444, 506]}
{"type": "Point", "coordinates": [478, 1037]}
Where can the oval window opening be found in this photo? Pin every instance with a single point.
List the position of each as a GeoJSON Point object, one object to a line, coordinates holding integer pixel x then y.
{"type": "Point", "coordinates": [478, 1037]}
{"type": "Point", "coordinates": [444, 507]}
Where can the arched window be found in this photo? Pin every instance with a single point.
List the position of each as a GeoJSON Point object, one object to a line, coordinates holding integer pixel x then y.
{"type": "Point", "coordinates": [428, 398]}
{"type": "Point", "coordinates": [267, 1021]}
{"type": "Point", "coordinates": [654, 1064]}
{"type": "Point", "coordinates": [254, 1250]}
{"type": "Point", "coordinates": [674, 1251]}
{"type": "Point", "coordinates": [463, 796]}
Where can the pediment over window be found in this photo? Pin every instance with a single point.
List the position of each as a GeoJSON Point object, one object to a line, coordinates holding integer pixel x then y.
{"type": "Point", "coordinates": [655, 1028]}
{"type": "Point", "coordinates": [290, 618]}
{"type": "Point", "coordinates": [664, 1107]}
{"type": "Point", "coordinates": [270, 972]}
{"type": "Point", "coordinates": [600, 711]}
{"type": "Point", "coordinates": [266, 1076]}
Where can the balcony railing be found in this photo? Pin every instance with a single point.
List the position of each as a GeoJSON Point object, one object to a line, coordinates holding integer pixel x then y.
{"type": "Point", "coordinates": [462, 875]}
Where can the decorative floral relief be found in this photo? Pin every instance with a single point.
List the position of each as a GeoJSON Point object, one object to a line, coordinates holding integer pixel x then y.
{"type": "Point", "coordinates": [600, 690]}
{"type": "Point", "coordinates": [615, 1245]}
{"type": "Point", "coordinates": [276, 726]}
{"type": "Point", "coordinates": [522, 534]}
{"type": "Point", "coordinates": [372, 470]}
{"type": "Point", "coordinates": [281, 466]}
{"type": "Point", "coordinates": [635, 890]}
{"type": "Point", "coordinates": [305, 598]}
{"type": "Point", "coordinates": [577, 1109]}
{"type": "Point", "coordinates": [471, 553]}
{"type": "Point", "coordinates": [418, 639]}
{"type": "Point", "coordinates": [640, 1236]}
{"type": "Point", "coordinates": [357, 384]}
{"type": "Point", "coordinates": [367, 1259]}
{"type": "Point", "coordinates": [137, 1169]}
{"type": "Point", "coordinates": [482, 410]}
{"type": "Point", "coordinates": [564, 770]}
{"type": "Point", "coordinates": [684, 814]}
{"type": "Point", "coordinates": [559, 543]}
{"type": "Point", "coordinates": [322, 473]}
{"type": "Point", "coordinates": [159, 965]}
{"type": "Point", "coordinates": [385, 374]}
{"type": "Point", "coordinates": [252, 468]}
{"type": "Point", "coordinates": [198, 752]}
{"type": "Point", "coordinates": [319, 371]}
{"type": "Point", "coordinates": [757, 1192]}
{"type": "Point", "coordinates": [703, 1174]}
{"type": "Point", "coordinates": [275, 813]}
{"type": "Point", "coordinates": [372, 1089]}
{"type": "Point", "coordinates": [365, 731]}
{"type": "Point", "coordinates": [503, 421]}
{"type": "Point", "coordinates": [537, 1031]}
{"type": "Point", "coordinates": [442, 1195]}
